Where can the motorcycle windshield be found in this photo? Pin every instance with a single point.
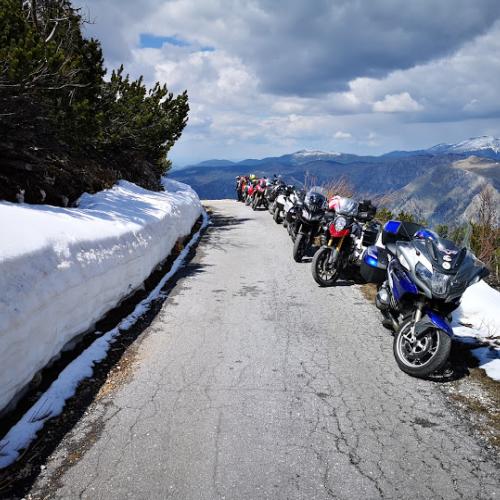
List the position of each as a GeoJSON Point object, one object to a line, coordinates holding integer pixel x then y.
{"type": "Point", "coordinates": [347, 207]}
{"type": "Point", "coordinates": [317, 190]}
{"type": "Point", "coordinates": [439, 250]}
{"type": "Point", "coordinates": [453, 268]}
{"type": "Point", "coordinates": [315, 198]}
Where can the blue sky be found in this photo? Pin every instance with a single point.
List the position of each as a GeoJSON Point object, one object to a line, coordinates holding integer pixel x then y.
{"type": "Point", "coordinates": [268, 77]}
{"type": "Point", "coordinates": [148, 40]}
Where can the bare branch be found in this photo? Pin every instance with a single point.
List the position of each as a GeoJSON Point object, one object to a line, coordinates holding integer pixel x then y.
{"type": "Point", "coordinates": [47, 40]}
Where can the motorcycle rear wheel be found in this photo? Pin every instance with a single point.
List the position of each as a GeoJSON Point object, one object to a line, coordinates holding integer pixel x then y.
{"type": "Point", "coordinates": [325, 273]}
{"type": "Point", "coordinates": [423, 357]}
{"type": "Point", "coordinates": [276, 215]}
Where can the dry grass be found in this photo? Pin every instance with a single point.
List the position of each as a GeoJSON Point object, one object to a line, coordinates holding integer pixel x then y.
{"type": "Point", "coordinates": [369, 290]}
{"type": "Point", "coordinates": [479, 396]}
{"type": "Point", "coordinates": [339, 187]}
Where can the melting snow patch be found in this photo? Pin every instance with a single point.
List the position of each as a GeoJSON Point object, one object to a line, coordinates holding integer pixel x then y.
{"type": "Point", "coordinates": [478, 320]}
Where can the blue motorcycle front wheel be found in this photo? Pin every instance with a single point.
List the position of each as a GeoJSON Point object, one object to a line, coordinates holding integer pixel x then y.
{"type": "Point", "coordinates": [422, 356]}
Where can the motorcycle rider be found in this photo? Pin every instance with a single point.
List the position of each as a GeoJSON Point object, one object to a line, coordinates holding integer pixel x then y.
{"type": "Point", "coordinates": [239, 183]}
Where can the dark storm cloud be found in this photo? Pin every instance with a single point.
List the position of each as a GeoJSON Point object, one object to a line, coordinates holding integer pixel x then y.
{"type": "Point", "coordinates": [297, 47]}
{"type": "Point", "coordinates": [308, 48]}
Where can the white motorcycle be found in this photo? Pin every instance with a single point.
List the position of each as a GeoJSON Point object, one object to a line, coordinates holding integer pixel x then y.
{"type": "Point", "coordinates": [279, 204]}
{"type": "Point", "coordinates": [291, 203]}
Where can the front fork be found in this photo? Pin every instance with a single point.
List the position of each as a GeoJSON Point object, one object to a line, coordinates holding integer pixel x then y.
{"type": "Point", "coordinates": [337, 247]}
{"type": "Point", "coordinates": [339, 244]}
{"type": "Point", "coordinates": [334, 256]}
{"type": "Point", "coordinates": [417, 316]}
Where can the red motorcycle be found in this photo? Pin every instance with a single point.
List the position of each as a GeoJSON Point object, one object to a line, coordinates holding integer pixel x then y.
{"type": "Point", "coordinates": [250, 192]}
{"type": "Point", "coordinates": [341, 227]}
{"type": "Point", "coordinates": [258, 196]}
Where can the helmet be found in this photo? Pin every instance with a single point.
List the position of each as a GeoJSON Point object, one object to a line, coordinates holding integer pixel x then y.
{"type": "Point", "coordinates": [344, 206]}
{"type": "Point", "coordinates": [253, 177]}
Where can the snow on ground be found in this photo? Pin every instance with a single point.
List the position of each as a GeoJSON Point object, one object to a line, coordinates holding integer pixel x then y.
{"type": "Point", "coordinates": [51, 403]}
{"type": "Point", "coordinates": [61, 269]}
{"type": "Point", "coordinates": [480, 311]}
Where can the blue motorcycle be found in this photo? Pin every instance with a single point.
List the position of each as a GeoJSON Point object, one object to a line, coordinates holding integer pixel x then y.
{"type": "Point", "coordinates": [421, 279]}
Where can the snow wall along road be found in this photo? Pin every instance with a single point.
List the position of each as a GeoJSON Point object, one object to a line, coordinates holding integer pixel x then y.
{"type": "Point", "coordinates": [62, 269]}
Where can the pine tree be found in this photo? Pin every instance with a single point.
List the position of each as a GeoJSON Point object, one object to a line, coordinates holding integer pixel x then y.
{"type": "Point", "coordinates": [52, 91]}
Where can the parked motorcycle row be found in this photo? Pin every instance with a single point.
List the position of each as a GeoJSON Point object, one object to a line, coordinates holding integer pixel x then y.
{"type": "Point", "coordinates": [420, 277]}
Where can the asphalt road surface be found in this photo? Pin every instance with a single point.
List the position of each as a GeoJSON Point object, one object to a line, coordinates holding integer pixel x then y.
{"type": "Point", "coordinates": [254, 383]}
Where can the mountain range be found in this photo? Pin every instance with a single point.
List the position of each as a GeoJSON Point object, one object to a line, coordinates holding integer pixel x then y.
{"type": "Point", "coordinates": [442, 183]}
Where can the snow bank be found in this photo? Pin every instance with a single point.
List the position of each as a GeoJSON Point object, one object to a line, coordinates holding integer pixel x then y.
{"type": "Point", "coordinates": [480, 311]}
{"type": "Point", "coordinates": [63, 269]}
{"type": "Point", "coordinates": [51, 403]}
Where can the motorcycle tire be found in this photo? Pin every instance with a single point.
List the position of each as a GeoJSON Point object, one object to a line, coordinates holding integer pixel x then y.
{"type": "Point", "coordinates": [318, 267]}
{"type": "Point", "coordinates": [424, 356]}
{"type": "Point", "coordinates": [255, 203]}
{"type": "Point", "coordinates": [248, 200]}
{"type": "Point", "coordinates": [276, 215]}
{"type": "Point", "coordinates": [299, 247]}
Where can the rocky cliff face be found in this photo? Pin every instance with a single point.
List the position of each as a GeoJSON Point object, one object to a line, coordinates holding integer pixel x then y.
{"type": "Point", "coordinates": [448, 193]}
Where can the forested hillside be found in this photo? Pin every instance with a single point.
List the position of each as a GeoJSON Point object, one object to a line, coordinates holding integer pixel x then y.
{"type": "Point", "coordinates": [64, 127]}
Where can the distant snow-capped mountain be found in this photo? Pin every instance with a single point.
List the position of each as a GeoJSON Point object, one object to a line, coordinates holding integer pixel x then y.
{"type": "Point", "coordinates": [441, 183]}
{"type": "Point", "coordinates": [311, 155]}
{"type": "Point", "coordinates": [483, 143]}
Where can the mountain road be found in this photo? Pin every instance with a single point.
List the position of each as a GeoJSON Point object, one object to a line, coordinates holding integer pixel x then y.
{"type": "Point", "coordinates": [254, 383]}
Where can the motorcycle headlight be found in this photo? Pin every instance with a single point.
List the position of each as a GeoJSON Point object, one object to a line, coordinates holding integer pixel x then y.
{"type": "Point", "coordinates": [423, 273]}
{"type": "Point", "coordinates": [439, 283]}
{"type": "Point", "coordinates": [340, 223]}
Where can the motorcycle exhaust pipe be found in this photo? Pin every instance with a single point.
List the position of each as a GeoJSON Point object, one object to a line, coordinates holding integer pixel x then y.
{"type": "Point", "coordinates": [382, 299]}
{"type": "Point", "coordinates": [389, 321]}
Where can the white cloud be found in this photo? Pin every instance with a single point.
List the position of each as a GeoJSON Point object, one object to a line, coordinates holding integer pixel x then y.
{"type": "Point", "coordinates": [290, 105]}
{"type": "Point", "coordinates": [342, 135]}
{"type": "Point", "coordinates": [396, 103]}
{"type": "Point", "coordinates": [283, 75]}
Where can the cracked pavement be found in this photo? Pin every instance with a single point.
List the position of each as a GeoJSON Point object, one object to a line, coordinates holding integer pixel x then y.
{"type": "Point", "coordinates": [254, 383]}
